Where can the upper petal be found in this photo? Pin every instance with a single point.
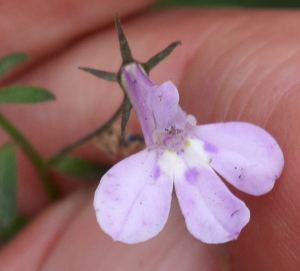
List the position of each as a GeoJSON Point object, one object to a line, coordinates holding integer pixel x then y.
{"type": "Point", "coordinates": [132, 201]}
{"type": "Point", "coordinates": [212, 213]}
{"type": "Point", "coordinates": [244, 154]}
{"type": "Point", "coordinates": [137, 85]}
{"type": "Point", "coordinates": [162, 102]}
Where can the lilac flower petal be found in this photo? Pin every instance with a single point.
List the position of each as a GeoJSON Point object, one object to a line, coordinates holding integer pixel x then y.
{"type": "Point", "coordinates": [244, 154]}
{"type": "Point", "coordinates": [212, 213]}
{"type": "Point", "coordinates": [137, 85]}
{"type": "Point", "coordinates": [133, 199]}
{"type": "Point", "coordinates": [162, 102]}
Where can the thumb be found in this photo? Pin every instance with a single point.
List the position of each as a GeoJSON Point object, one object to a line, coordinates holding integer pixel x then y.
{"type": "Point", "coordinates": [247, 69]}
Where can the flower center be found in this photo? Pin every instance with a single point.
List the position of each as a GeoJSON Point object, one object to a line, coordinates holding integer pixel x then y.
{"type": "Point", "coordinates": [173, 140]}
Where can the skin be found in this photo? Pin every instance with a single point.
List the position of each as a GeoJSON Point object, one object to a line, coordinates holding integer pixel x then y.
{"type": "Point", "coordinates": [234, 65]}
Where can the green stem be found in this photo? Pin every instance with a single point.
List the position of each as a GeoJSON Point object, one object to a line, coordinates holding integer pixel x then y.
{"type": "Point", "coordinates": [33, 155]}
{"type": "Point", "coordinates": [53, 160]}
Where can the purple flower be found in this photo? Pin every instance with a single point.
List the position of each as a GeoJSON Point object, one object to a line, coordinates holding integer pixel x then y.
{"type": "Point", "coordinates": [133, 199]}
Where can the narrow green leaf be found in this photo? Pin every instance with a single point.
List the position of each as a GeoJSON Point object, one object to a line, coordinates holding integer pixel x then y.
{"type": "Point", "coordinates": [8, 184]}
{"type": "Point", "coordinates": [80, 168]}
{"type": "Point", "coordinates": [108, 76]}
{"type": "Point", "coordinates": [7, 233]}
{"type": "Point", "coordinates": [25, 94]}
{"type": "Point", "coordinates": [33, 155]}
{"type": "Point", "coordinates": [8, 62]}
{"type": "Point", "coordinates": [153, 61]}
{"type": "Point", "coordinates": [124, 47]}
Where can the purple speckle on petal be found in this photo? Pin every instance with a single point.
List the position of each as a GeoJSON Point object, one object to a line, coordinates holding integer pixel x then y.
{"type": "Point", "coordinates": [191, 175]}
{"type": "Point", "coordinates": [234, 213]}
{"type": "Point", "coordinates": [210, 148]}
{"type": "Point", "coordinates": [157, 172]}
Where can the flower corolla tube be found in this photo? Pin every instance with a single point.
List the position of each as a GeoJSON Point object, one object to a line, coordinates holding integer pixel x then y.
{"type": "Point", "coordinates": [132, 201]}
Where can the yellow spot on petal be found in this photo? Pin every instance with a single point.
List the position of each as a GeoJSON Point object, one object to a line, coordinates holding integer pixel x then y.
{"type": "Point", "coordinates": [187, 144]}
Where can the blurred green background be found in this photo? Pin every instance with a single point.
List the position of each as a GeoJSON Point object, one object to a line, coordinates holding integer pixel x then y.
{"type": "Point", "coordinates": [235, 3]}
